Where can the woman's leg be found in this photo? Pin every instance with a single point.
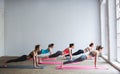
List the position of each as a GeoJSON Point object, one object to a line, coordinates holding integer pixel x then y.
{"type": "Point", "coordinates": [22, 58]}
{"type": "Point", "coordinates": [81, 58]}
{"type": "Point", "coordinates": [12, 60]}
{"type": "Point", "coordinates": [58, 53]}
{"type": "Point", "coordinates": [80, 51]}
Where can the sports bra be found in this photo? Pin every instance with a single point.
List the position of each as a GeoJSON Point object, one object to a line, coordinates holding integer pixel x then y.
{"type": "Point", "coordinates": [92, 53]}
{"type": "Point", "coordinates": [87, 49]}
{"type": "Point", "coordinates": [31, 54]}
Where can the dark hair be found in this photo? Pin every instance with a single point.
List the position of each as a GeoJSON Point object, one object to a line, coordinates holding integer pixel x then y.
{"type": "Point", "coordinates": [99, 47]}
{"type": "Point", "coordinates": [72, 44]}
{"type": "Point", "coordinates": [36, 47]}
{"type": "Point", "coordinates": [91, 44]}
{"type": "Point", "coordinates": [51, 45]}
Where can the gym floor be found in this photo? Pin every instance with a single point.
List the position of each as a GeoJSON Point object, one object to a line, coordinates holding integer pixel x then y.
{"type": "Point", "coordinates": [50, 69]}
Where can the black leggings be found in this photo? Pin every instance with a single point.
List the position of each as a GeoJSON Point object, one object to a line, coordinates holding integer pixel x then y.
{"type": "Point", "coordinates": [58, 53]}
{"type": "Point", "coordinates": [19, 59]}
{"type": "Point", "coordinates": [81, 58]}
{"type": "Point", "coordinates": [80, 51]}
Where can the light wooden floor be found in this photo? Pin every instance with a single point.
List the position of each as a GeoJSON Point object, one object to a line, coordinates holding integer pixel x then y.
{"type": "Point", "coordinates": [50, 69]}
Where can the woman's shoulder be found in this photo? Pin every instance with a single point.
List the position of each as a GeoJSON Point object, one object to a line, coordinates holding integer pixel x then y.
{"type": "Point", "coordinates": [32, 52]}
{"type": "Point", "coordinates": [95, 51]}
{"type": "Point", "coordinates": [89, 47]}
{"type": "Point", "coordinates": [48, 48]}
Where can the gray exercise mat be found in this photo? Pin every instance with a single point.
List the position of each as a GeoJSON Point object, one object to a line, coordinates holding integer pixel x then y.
{"type": "Point", "coordinates": [22, 67]}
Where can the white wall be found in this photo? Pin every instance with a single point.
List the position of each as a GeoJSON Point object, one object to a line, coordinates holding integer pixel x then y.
{"type": "Point", "coordinates": [30, 22]}
{"type": "Point", "coordinates": [1, 27]}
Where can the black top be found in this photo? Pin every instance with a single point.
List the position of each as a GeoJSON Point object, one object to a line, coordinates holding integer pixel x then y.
{"type": "Point", "coordinates": [31, 54]}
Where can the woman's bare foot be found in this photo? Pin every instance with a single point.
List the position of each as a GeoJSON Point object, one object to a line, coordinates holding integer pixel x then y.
{"type": "Point", "coordinates": [40, 61]}
{"type": "Point", "coordinates": [5, 65]}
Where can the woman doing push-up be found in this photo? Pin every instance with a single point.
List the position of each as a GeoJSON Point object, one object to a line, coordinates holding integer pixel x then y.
{"type": "Point", "coordinates": [33, 54]}
{"type": "Point", "coordinates": [48, 50]}
{"type": "Point", "coordinates": [84, 56]}
{"type": "Point", "coordinates": [81, 51]}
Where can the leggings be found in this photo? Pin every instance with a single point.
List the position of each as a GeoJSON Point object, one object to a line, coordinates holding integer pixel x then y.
{"type": "Point", "coordinates": [58, 53]}
{"type": "Point", "coordinates": [79, 59]}
{"type": "Point", "coordinates": [80, 51]}
{"type": "Point", "coordinates": [19, 59]}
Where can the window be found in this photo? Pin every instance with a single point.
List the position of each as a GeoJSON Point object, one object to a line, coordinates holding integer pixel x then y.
{"type": "Point", "coordinates": [118, 28]}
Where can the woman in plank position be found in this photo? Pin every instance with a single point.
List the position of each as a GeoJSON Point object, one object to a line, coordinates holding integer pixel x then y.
{"type": "Point", "coordinates": [45, 51]}
{"type": "Point", "coordinates": [67, 51]}
{"type": "Point", "coordinates": [84, 56]}
{"type": "Point", "coordinates": [48, 50]}
{"type": "Point", "coordinates": [33, 54]}
{"type": "Point", "coordinates": [81, 51]}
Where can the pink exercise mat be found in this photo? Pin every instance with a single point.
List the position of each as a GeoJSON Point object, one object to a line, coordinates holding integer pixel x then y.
{"type": "Point", "coordinates": [81, 67]}
{"type": "Point", "coordinates": [50, 63]}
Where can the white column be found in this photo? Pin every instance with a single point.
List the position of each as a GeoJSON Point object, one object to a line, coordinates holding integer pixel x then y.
{"type": "Point", "coordinates": [104, 28]}
{"type": "Point", "coordinates": [111, 30]}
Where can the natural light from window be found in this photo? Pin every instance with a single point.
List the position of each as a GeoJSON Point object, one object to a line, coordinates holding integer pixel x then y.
{"type": "Point", "coordinates": [118, 28]}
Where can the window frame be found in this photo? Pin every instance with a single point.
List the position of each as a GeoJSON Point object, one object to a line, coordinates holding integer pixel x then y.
{"type": "Point", "coordinates": [118, 29]}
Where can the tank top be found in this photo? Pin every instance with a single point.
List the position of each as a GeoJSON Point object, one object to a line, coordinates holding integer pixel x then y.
{"type": "Point", "coordinates": [44, 51]}
{"type": "Point", "coordinates": [66, 51]}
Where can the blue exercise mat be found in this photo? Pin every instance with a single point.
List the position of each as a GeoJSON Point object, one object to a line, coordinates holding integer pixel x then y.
{"type": "Point", "coordinates": [22, 67]}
